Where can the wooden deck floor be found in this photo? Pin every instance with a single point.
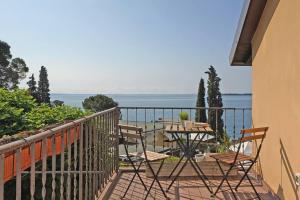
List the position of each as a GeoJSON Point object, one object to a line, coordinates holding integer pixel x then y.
{"type": "Point", "coordinates": [183, 189]}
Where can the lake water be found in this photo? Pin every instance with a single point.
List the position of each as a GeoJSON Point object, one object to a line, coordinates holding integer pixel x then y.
{"type": "Point", "coordinates": [155, 100]}
{"type": "Point", "coordinates": [234, 120]}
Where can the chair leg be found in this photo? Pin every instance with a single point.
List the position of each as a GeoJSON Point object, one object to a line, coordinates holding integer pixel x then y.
{"type": "Point", "coordinates": [225, 179]}
{"type": "Point", "coordinates": [135, 173]}
{"type": "Point", "coordinates": [176, 176]}
{"type": "Point", "coordinates": [176, 166]}
{"type": "Point", "coordinates": [200, 175]}
{"type": "Point", "coordinates": [246, 175]}
{"type": "Point", "coordinates": [155, 178]}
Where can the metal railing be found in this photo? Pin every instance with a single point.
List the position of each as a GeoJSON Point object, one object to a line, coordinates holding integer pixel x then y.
{"type": "Point", "coordinates": [71, 161]}
{"type": "Point", "coordinates": [153, 120]}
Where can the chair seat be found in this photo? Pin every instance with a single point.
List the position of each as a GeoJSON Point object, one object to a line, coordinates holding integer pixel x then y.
{"type": "Point", "coordinates": [151, 156]}
{"type": "Point", "coordinates": [228, 158]}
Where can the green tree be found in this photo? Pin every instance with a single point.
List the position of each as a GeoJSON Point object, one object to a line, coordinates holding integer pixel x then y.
{"type": "Point", "coordinates": [43, 87]}
{"type": "Point", "coordinates": [11, 71]}
{"type": "Point", "coordinates": [32, 89]}
{"type": "Point", "coordinates": [201, 114]}
{"type": "Point", "coordinates": [214, 99]}
{"type": "Point", "coordinates": [98, 103]}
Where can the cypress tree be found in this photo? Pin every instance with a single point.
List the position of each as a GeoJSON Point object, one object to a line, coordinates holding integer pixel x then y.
{"type": "Point", "coordinates": [32, 87]}
{"type": "Point", "coordinates": [201, 114]}
{"type": "Point", "coordinates": [43, 87]}
{"type": "Point", "coordinates": [214, 99]}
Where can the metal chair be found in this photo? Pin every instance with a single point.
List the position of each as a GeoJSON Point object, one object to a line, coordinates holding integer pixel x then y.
{"type": "Point", "coordinates": [239, 160]}
{"type": "Point", "coordinates": [147, 157]}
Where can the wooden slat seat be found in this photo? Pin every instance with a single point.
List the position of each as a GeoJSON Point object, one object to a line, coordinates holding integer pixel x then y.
{"type": "Point", "coordinates": [228, 158]}
{"type": "Point", "coordinates": [151, 156]}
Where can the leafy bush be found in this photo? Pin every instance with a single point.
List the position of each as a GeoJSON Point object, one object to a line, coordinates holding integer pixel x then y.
{"type": "Point", "coordinates": [13, 106]}
{"type": "Point", "coordinates": [44, 115]}
{"type": "Point", "coordinates": [19, 112]}
{"type": "Point", "coordinates": [98, 103]}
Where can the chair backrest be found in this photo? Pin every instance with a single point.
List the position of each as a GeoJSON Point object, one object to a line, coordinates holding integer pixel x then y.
{"type": "Point", "coordinates": [130, 131]}
{"type": "Point", "coordinates": [252, 134]}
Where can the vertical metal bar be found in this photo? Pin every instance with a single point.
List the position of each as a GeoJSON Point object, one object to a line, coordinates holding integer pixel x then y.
{"type": "Point", "coordinates": [95, 158]}
{"type": "Point", "coordinates": [225, 122]}
{"type": "Point", "coordinates": [97, 154]}
{"type": "Point", "coordinates": [117, 138]}
{"type": "Point", "coordinates": [90, 159]}
{"type": "Point", "coordinates": [234, 126]}
{"type": "Point", "coordinates": [62, 165]}
{"type": "Point", "coordinates": [81, 161]}
{"type": "Point", "coordinates": [154, 133]}
{"type": "Point", "coordinates": [69, 164]}
{"type": "Point", "coordinates": [163, 118]}
{"type": "Point", "coordinates": [2, 176]}
{"type": "Point", "coordinates": [145, 123]}
{"type": "Point", "coordinates": [53, 151]}
{"type": "Point", "coordinates": [217, 130]}
{"type": "Point", "coordinates": [18, 174]}
{"type": "Point", "coordinates": [32, 170]}
{"type": "Point", "coordinates": [44, 166]}
{"type": "Point", "coordinates": [86, 133]}
{"type": "Point", "coordinates": [75, 161]}
{"type": "Point", "coordinates": [102, 150]}
{"type": "Point", "coordinates": [136, 141]}
{"type": "Point", "coordinates": [243, 118]}
{"type": "Point", "coordinates": [172, 113]}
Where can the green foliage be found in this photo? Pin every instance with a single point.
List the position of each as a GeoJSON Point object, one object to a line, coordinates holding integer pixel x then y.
{"type": "Point", "coordinates": [183, 115]}
{"type": "Point", "coordinates": [201, 114]}
{"type": "Point", "coordinates": [44, 115]}
{"type": "Point", "coordinates": [43, 87]}
{"type": "Point", "coordinates": [226, 143]}
{"type": "Point", "coordinates": [32, 89]}
{"type": "Point", "coordinates": [11, 71]}
{"type": "Point", "coordinates": [98, 103]}
{"type": "Point", "coordinates": [214, 99]}
{"type": "Point", "coordinates": [13, 106]}
{"type": "Point", "coordinates": [20, 112]}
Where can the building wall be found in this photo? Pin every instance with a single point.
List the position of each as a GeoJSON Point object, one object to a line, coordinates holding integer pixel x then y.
{"type": "Point", "coordinates": [276, 94]}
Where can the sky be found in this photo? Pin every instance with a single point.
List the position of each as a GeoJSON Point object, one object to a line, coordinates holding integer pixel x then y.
{"type": "Point", "coordinates": [126, 46]}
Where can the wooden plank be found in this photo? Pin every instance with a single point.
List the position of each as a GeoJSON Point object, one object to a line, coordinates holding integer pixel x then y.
{"type": "Point", "coordinates": [252, 137]}
{"type": "Point", "coordinates": [254, 130]}
{"type": "Point", "coordinates": [128, 127]}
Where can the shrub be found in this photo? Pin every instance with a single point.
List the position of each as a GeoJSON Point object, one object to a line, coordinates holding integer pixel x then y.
{"type": "Point", "coordinates": [98, 103]}
{"type": "Point", "coordinates": [19, 112]}
{"type": "Point", "coordinates": [13, 106]}
{"type": "Point", "coordinates": [44, 115]}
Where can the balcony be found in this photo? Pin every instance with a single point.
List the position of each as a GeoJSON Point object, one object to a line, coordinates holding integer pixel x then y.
{"type": "Point", "coordinates": [80, 160]}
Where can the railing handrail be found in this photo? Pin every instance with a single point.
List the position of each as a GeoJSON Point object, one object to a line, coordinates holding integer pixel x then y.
{"type": "Point", "coordinates": [179, 107]}
{"type": "Point", "coordinates": [47, 133]}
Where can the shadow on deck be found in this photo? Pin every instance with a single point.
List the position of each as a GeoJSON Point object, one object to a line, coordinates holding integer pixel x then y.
{"type": "Point", "coordinates": [183, 189]}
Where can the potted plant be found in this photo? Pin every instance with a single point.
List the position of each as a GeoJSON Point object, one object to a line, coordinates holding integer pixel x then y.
{"type": "Point", "coordinates": [184, 116]}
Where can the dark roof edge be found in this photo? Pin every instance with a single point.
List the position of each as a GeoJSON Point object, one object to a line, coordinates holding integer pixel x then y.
{"type": "Point", "coordinates": [241, 52]}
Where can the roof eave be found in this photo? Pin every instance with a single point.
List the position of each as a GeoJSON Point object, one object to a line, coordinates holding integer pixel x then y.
{"type": "Point", "coordinates": [241, 52]}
